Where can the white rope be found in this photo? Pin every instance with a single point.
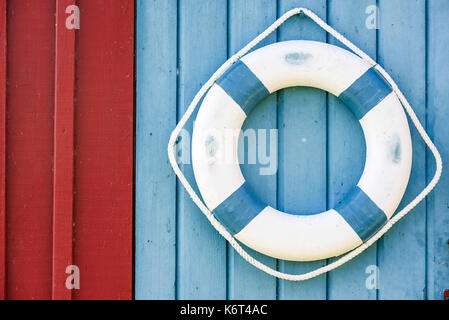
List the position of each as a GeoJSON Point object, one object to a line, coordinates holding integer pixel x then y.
{"type": "Point", "coordinates": [223, 231]}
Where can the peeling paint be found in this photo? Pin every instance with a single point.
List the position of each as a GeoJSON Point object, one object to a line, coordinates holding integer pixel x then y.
{"type": "Point", "coordinates": [297, 57]}
{"type": "Point", "coordinates": [395, 149]}
{"type": "Point", "coordinates": [211, 146]}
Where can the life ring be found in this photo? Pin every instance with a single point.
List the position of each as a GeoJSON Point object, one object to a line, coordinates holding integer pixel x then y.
{"type": "Point", "coordinates": [311, 236]}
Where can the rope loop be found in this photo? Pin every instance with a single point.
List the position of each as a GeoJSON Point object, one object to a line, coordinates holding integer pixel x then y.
{"type": "Point", "coordinates": [222, 230]}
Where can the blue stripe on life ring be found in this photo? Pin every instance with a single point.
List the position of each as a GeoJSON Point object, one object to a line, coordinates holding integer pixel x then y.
{"type": "Point", "coordinates": [238, 209]}
{"type": "Point", "coordinates": [365, 93]}
{"type": "Point", "coordinates": [242, 85]}
{"type": "Point", "coordinates": [361, 213]}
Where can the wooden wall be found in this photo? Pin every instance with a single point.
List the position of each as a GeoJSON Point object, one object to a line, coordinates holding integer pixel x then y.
{"type": "Point", "coordinates": [66, 121]}
{"type": "Point", "coordinates": [66, 148]}
{"type": "Point", "coordinates": [321, 148]}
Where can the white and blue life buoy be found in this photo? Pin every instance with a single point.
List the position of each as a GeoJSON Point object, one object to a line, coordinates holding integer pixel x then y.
{"type": "Point", "coordinates": [302, 236]}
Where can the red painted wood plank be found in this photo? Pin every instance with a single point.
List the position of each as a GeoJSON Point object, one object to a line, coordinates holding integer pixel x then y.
{"type": "Point", "coordinates": [104, 149]}
{"type": "Point", "coordinates": [29, 148]}
{"type": "Point", "coordinates": [63, 151]}
{"type": "Point", "coordinates": [2, 148]}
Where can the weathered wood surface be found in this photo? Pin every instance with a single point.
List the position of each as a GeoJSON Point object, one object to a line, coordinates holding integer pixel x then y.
{"type": "Point", "coordinates": [320, 149]}
{"type": "Point", "coordinates": [66, 158]}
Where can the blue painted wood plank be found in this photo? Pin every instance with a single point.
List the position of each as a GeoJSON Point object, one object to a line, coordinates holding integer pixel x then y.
{"type": "Point", "coordinates": [302, 150]}
{"type": "Point", "coordinates": [401, 49]}
{"type": "Point", "coordinates": [201, 251]}
{"type": "Point", "coordinates": [155, 205]}
{"type": "Point", "coordinates": [248, 18]}
{"type": "Point", "coordinates": [346, 148]}
{"type": "Point", "coordinates": [179, 255]}
{"type": "Point", "coordinates": [438, 118]}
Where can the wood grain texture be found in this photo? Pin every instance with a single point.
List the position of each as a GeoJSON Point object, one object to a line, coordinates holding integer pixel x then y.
{"type": "Point", "coordinates": [201, 252]}
{"type": "Point", "coordinates": [49, 91]}
{"type": "Point", "coordinates": [245, 281]}
{"type": "Point", "coordinates": [104, 149]}
{"type": "Point", "coordinates": [29, 148]}
{"type": "Point", "coordinates": [155, 181]}
{"type": "Point", "coordinates": [63, 169]}
{"type": "Point", "coordinates": [3, 66]}
{"type": "Point", "coordinates": [346, 148]}
{"type": "Point", "coordinates": [437, 120]}
{"type": "Point", "coordinates": [321, 150]}
{"type": "Point", "coordinates": [402, 251]}
{"type": "Point", "coordinates": [302, 150]}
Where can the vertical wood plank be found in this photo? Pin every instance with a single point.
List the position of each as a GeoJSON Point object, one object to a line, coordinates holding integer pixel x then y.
{"type": "Point", "coordinates": [302, 150]}
{"type": "Point", "coordinates": [63, 151]}
{"type": "Point", "coordinates": [246, 20]}
{"type": "Point", "coordinates": [3, 67]}
{"type": "Point", "coordinates": [201, 251]}
{"type": "Point", "coordinates": [438, 118]}
{"type": "Point", "coordinates": [401, 46]}
{"type": "Point", "coordinates": [29, 148]}
{"type": "Point", "coordinates": [156, 52]}
{"type": "Point", "coordinates": [401, 49]}
{"type": "Point", "coordinates": [104, 149]}
{"type": "Point", "coordinates": [346, 148]}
